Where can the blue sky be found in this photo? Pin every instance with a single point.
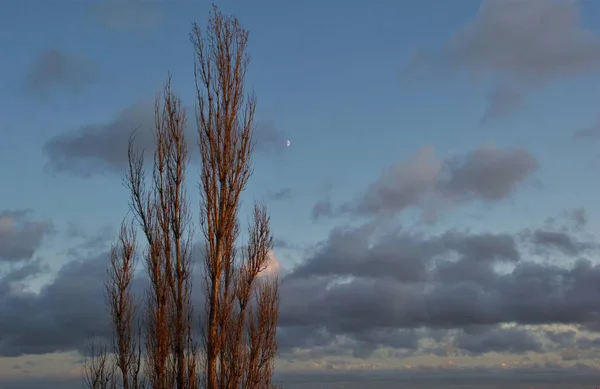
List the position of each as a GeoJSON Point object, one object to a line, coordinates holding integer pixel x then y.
{"type": "Point", "coordinates": [356, 86]}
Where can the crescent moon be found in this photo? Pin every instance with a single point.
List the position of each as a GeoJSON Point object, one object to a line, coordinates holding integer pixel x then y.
{"type": "Point", "coordinates": [288, 143]}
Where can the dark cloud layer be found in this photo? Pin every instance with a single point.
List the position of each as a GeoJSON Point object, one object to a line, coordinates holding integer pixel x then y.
{"type": "Point", "coordinates": [449, 280]}
{"type": "Point", "coordinates": [54, 68]}
{"type": "Point", "coordinates": [513, 341]}
{"type": "Point", "coordinates": [20, 236]}
{"type": "Point", "coordinates": [486, 174]}
{"type": "Point", "coordinates": [61, 317]}
{"type": "Point", "coordinates": [520, 45]}
{"type": "Point", "coordinates": [69, 310]}
{"type": "Point", "coordinates": [361, 282]}
{"type": "Point", "coordinates": [361, 289]}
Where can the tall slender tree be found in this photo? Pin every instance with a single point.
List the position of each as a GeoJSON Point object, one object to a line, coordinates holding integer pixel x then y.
{"type": "Point", "coordinates": [163, 215]}
{"type": "Point", "coordinates": [239, 342]}
{"type": "Point", "coordinates": [239, 337]}
{"type": "Point", "coordinates": [126, 343]}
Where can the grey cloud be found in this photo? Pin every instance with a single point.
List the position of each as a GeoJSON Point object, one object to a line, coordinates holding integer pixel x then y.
{"type": "Point", "coordinates": [591, 132]}
{"type": "Point", "coordinates": [68, 311]}
{"type": "Point", "coordinates": [487, 173]}
{"type": "Point", "coordinates": [573, 220]}
{"type": "Point", "coordinates": [560, 241]}
{"type": "Point", "coordinates": [402, 185]}
{"type": "Point", "coordinates": [502, 101]}
{"type": "Point", "coordinates": [321, 209]}
{"type": "Point", "coordinates": [98, 148]}
{"type": "Point", "coordinates": [586, 343]}
{"type": "Point", "coordinates": [20, 237]}
{"type": "Point", "coordinates": [360, 289]}
{"type": "Point", "coordinates": [578, 217]}
{"type": "Point", "coordinates": [359, 281]}
{"type": "Point", "coordinates": [501, 340]}
{"type": "Point", "coordinates": [561, 338]}
{"type": "Point", "coordinates": [13, 280]}
{"type": "Point", "coordinates": [54, 68]}
{"type": "Point", "coordinates": [102, 148]}
{"type": "Point", "coordinates": [287, 244]}
{"type": "Point", "coordinates": [61, 317]}
{"type": "Point", "coordinates": [23, 272]}
{"type": "Point", "coordinates": [389, 337]}
{"type": "Point", "coordinates": [407, 257]}
{"type": "Point", "coordinates": [85, 244]}
{"type": "Point", "coordinates": [281, 194]}
{"type": "Point", "coordinates": [425, 181]}
{"type": "Point", "coordinates": [521, 45]}
{"type": "Point", "coordinates": [129, 15]}
{"type": "Point", "coordinates": [568, 237]}
{"type": "Point", "coordinates": [268, 138]}
{"type": "Point", "coordinates": [303, 337]}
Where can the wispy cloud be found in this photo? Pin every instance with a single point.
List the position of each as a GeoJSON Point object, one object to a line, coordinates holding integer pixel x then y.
{"type": "Point", "coordinates": [128, 15]}
{"type": "Point", "coordinates": [55, 69]}
{"type": "Point", "coordinates": [520, 45]}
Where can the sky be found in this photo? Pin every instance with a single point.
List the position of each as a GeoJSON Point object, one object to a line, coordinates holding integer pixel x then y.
{"type": "Point", "coordinates": [435, 216]}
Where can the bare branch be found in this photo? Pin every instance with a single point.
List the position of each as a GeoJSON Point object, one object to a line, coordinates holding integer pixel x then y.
{"type": "Point", "coordinates": [98, 372]}
{"type": "Point", "coordinates": [123, 309]}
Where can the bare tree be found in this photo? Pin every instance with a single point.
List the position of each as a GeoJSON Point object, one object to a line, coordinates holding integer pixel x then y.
{"type": "Point", "coordinates": [123, 309]}
{"type": "Point", "coordinates": [98, 371]}
{"type": "Point", "coordinates": [239, 338]}
{"type": "Point", "coordinates": [239, 329]}
{"type": "Point", "coordinates": [163, 215]}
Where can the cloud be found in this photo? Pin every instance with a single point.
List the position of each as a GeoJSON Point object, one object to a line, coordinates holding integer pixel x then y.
{"type": "Point", "coordinates": [20, 237]}
{"type": "Point", "coordinates": [269, 139]}
{"type": "Point", "coordinates": [129, 15]}
{"type": "Point", "coordinates": [322, 208]}
{"type": "Point", "coordinates": [500, 340]}
{"type": "Point", "coordinates": [502, 100]}
{"type": "Point", "coordinates": [454, 285]}
{"type": "Point", "coordinates": [487, 173]}
{"type": "Point", "coordinates": [67, 311]}
{"type": "Point", "coordinates": [408, 257]}
{"type": "Point", "coordinates": [560, 241]}
{"type": "Point", "coordinates": [54, 68]}
{"type": "Point", "coordinates": [281, 194]}
{"type": "Point", "coordinates": [22, 273]}
{"type": "Point", "coordinates": [590, 132]}
{"type": "Point", "coordinates": [521, 45]}
{"type": "Point", "coordinates": [578, 217]}
{"type": "Point", "coordinates": [425, 181]}
{"type": "Point", "coordinates": [367, 293]}
{"type": "Point", "coordinates": [61, 317]}
{"type": "Point", "coordinates": [102, 148]}
{"type": "Point", "coordinates": [402, 185]}
{"type": "Point", "coordinates": [85, 244]}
